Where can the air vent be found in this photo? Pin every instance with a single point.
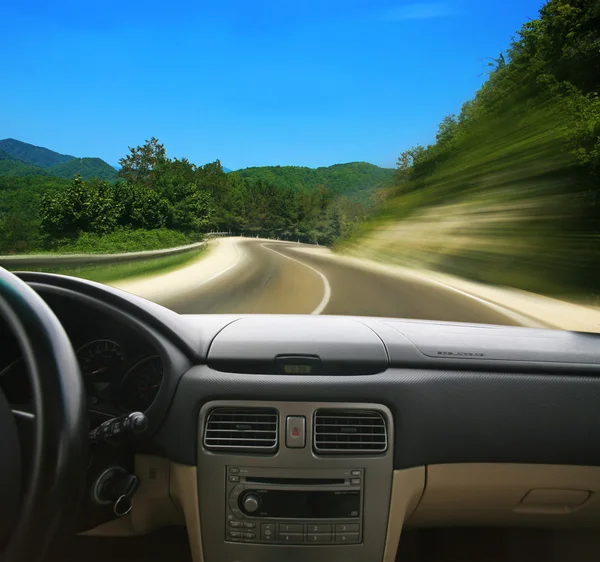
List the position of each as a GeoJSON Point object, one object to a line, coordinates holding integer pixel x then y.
{"type": "Point", "coordinates": [349, 431]}
{"type": "Point", "coordinates": [242, 429]}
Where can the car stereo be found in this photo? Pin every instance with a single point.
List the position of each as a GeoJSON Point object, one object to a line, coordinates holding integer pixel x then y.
{"type": "Point", "coordinates": [294, 506]}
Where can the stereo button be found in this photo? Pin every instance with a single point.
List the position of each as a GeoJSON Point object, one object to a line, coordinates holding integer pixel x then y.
{"type": "Point", "coordinates": [249, 525]}
{"type": "Point", "coordinates": [291, 538]}
{"type": "Point", "coordinates": [347, 537]}
{"type": "Point", "coordinates": [235, 534]}
{"type": "Point", "coordinates": [318, 528]}
{"type": "Point", "coordinates": [295, 435]}
{"type": "Point", "coordinates": [267, 531]}
{"type": "Point", "coordinates": [291, 528]}
{"type": "Point", "coordinates": [235, 524]}
{"type": "Point", "coordinates": [350, 528]}
{"type": "Point", "coordinates": [319, 538]}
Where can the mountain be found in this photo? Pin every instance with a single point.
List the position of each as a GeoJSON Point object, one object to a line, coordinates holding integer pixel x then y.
{"type": "Point", "coordinates": [355, 179]}
{"type": "Point", "coordinates": [87, 167]}
{"type": "Point", "coordinates": [36, 155]}
{"type": "Point", "coordinates": [13, 167]}
{"type": "Point", "coordinates": [23, 159]}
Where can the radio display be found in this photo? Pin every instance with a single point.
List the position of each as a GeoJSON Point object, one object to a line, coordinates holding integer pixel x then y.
{"type": "Point", "coordinates": [308, 504]}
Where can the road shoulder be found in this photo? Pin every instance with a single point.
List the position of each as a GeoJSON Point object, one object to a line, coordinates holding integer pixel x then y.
{"type": "Point", "coordinates": [529, 309]}
{"type": "Point", "coordinates": [222, 255]}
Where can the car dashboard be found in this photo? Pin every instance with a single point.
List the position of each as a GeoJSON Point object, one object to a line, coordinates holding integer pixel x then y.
{"type": "Point", "coordinates": [122, 370]}
{"type": "Point", "coordinates": [275, 437]}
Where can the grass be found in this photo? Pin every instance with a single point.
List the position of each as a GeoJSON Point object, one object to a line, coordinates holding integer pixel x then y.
{"type": "Point", "coordinates": [125, 240]}
{"type": "Point", "coordinates": [104, 273]}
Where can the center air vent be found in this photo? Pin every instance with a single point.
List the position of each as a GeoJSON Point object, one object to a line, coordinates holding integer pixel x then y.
{"type": "Point", "coordinates": [349, 431]}
{"type": "Point", "coordinates": [242, 429]}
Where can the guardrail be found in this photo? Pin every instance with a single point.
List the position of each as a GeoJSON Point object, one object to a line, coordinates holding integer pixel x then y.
{"type": "Point", "coordinates": [44, 260]}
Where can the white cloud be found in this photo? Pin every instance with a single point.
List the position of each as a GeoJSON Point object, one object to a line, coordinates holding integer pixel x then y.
{"type": "Point", "coordinates": [419, 11]}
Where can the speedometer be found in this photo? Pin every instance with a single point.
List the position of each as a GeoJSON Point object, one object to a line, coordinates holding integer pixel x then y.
{"type": "Point", "coordinates": [141, 384]}
{"type": "Point", "coordinates": [100, 362]}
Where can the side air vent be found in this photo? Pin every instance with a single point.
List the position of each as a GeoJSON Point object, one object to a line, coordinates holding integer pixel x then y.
{"type": "Point", "coordinates": [349, 431]}
{"type": "Point", "coordinates": [242, 429]}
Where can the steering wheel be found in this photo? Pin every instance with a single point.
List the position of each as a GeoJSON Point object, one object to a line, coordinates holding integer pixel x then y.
{"type": "Point", "coordinates": [33, 512]}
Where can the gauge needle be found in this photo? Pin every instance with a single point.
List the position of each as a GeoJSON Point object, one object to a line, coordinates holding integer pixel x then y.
{"type": "Point", "coordinates": [100, 370]}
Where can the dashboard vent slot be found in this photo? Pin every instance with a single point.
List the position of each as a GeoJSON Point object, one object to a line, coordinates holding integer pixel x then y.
{"type": "Point", "coordinates": [242, 429]}
{"type": "Point", "coordinates": [349, 431]}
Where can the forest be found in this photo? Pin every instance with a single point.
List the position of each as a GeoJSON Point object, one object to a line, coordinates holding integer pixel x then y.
{"type": "Point", "coordinates": [509, 193]}
{"type": "Point", "coordinates": [159, 201]}
{"type": "Point", "coordinates": [355, 179]}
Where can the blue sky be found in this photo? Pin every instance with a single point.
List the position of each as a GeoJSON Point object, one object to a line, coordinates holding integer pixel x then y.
{"type": "Point", "coordinates": [263, 82]}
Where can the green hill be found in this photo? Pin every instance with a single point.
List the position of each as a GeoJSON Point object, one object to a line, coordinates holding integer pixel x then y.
{"type": "Point", "coordinates": [13, 167]}
{"type": "Point", "coordinates": [87, 167]}
{"type": "Point", "coordinates": [355, 179]}
{"type": "Point", "coordinates": [31, 154]}
{"type": "Point", "coordinates": [23, 159]}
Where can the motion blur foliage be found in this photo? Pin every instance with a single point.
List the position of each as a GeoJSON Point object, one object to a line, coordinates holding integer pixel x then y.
{"type": "Point", "coordinates": [509, 193]}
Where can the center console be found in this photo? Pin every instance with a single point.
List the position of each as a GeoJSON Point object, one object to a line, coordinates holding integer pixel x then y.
{"type": "Point", "coordinates": [294, 481]}
{"type": "Point", "coordinates": [294, 506]}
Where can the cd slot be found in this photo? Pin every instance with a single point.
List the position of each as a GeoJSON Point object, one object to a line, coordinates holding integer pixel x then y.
{"type": "Point", "coordinates": [295, 481]}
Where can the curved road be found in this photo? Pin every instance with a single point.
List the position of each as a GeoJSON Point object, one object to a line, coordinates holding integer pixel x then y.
{"type": "Point", "coordinates": [274, 277]}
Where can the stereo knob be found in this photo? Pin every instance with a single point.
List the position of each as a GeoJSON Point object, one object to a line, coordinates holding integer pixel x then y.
{"type": "Point", "coordinates": [251, 503]}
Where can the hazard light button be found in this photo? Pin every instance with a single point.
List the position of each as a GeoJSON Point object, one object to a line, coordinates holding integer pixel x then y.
{"type": "Point", "coordinates": [295, 433]}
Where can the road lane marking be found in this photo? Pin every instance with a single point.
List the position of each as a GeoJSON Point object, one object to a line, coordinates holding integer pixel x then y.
{"type": "Point", "coordinates": [219, 273]}
{"type": "Point", "coordinates": [379, 268]}
{"type": "Point", "coordinates": [327, 288]}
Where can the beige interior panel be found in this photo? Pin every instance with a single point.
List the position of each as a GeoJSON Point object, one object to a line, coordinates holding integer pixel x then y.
{"type": "Point", "coordinates": [184, 492]}
{"type": "Point", "coordinates": [152, 504]}
{"type": "Point", "coordinates": [407, 489]}
{"type": "Point", "coordinates": [509, 495]}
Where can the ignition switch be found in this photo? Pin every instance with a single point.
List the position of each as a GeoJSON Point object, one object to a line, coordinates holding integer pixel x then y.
{"type": "Point", "coordinates": [115, 486]}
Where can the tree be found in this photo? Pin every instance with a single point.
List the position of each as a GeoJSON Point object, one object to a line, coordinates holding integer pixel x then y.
{"type": "Point", "coordinates": [69, 212]}
{"type": "Point", "coordinates": [16, 234]}
{"type": "Point", "coordinates": [189, 209]}
{"type": "Point", "coordinates": [409, 157]}
{"type": "Point", "coordinates": [141, 165]}
{"type": "Point", "coordinates": [140, 207]}
{"type": "Point", "coordinates": [447, 129]}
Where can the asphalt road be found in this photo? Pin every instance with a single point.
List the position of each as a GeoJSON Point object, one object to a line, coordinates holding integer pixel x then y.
{"type": "Point", "coordinates": [274, 278]}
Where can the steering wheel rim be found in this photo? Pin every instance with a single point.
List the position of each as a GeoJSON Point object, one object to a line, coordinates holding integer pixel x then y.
{"type": "Point", "coordinates": [57, 472]}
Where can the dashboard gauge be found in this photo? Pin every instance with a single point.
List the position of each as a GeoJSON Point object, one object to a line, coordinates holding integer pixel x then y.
{"type": "Point", "coordinates": [99, 361]}
{"type": "Point", "coordinates": [141, 384]}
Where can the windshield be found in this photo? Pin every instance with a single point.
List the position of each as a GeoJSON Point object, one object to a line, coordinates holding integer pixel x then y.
{"type": "Point", "coordinates": [423, 160]}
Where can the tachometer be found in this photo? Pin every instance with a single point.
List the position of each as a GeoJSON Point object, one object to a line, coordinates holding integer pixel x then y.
{"type": "Point", "coordinates": [100, 361]}
{"type": "Point", "coordinates": [141, 384]}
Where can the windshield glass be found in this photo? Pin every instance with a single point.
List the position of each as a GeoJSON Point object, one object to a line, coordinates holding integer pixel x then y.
{"type": "Point", "coordinates": [432, 160]}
